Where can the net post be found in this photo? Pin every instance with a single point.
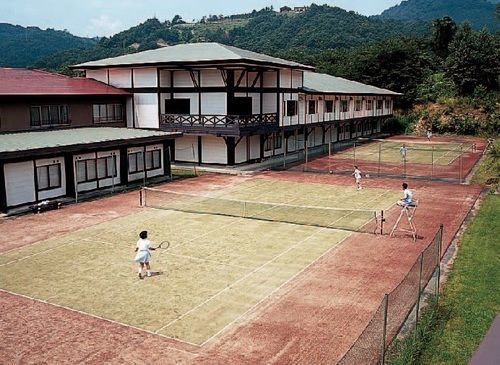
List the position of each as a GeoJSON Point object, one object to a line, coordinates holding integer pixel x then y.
{"type": "Point", "coordinates": [141, 198]}
{"type": "Point", "coordinates": [438, 263]}
{"type": "Point", "coordinates": [244, 209]}
{"type": "Point", "coordinates": [170, 162]}
{"type": "Point", "coordinates": [330, 157]}
{"type": "Point", "coordinates": [194, 160]}
{"type": "Point", "coordinates": [354, 153]}
{"type": "Point", "coordinates": [404, 166]}
{"type": "Point", "coordinates": [384, 334]}
{"type": "Point", "coordinates": [382, 220]}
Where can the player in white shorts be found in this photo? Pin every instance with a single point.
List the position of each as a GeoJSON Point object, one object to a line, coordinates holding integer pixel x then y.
{"type": "Point", "coordinates": [143, 256]}
{"type": "Point", "coordinates": [403, 152]}
{"type": "Point", "coordinates": [357, 176]}
{"type": "Point", "coordinates": [407, 197]}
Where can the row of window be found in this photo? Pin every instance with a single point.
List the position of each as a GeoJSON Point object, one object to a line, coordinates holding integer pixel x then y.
{"type": "Point", "coordinates": [292, 106]}
{"type": "Point", "coordinates": [55, 115]}
{"type": "Point", "coordinates": [90, 170]}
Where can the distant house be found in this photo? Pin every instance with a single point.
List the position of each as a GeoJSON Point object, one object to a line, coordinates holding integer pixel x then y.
{"type": "Point", "coordinates": [61, 136]}
{"type": "Point", "coordinates": [234, 106]}
{"type": "Point", "coordinates": [285, 9]}
{"type": "Point", "coordinates": [300, 9]}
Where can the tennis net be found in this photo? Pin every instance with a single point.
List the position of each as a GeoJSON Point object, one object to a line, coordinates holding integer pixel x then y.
{"type": "Point", "coordinates": [357, 220]}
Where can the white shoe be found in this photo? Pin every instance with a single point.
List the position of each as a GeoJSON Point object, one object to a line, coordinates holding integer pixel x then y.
{"type": "Point", "coordinates": [149, 274]}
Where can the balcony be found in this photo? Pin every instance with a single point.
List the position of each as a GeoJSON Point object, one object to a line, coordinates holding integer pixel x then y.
{"type": "Point", "coordinates": [224, 125]}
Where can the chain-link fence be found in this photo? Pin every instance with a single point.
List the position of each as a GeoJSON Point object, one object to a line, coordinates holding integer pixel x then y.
{"type": "Point", "coordinates": [371, 346]}
{"type": "Point", "coordinates": [386, 158]}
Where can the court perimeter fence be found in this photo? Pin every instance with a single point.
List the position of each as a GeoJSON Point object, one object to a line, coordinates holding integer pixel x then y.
{"type": "Point", "coordinates": [341, 157]}
{"type": "Point", "coordinates": [406, 299]}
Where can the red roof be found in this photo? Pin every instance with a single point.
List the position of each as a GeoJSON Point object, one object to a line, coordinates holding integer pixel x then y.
{"type": "Point", "coordinates": [20, 81]}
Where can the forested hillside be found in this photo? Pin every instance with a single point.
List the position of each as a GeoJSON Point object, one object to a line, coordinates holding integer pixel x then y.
{"type": "Point", "coordinates": [21, 47]}
{"type": "Point", "coordinates": [479, 13]}
{"type": "Point", "coordinates": [319, 28]}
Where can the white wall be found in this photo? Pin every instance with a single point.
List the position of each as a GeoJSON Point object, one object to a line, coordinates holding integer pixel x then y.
{"type": "Point", "coordinates": [214, 150]}
{"type": "Point", "coordinates": [145, 77]}
{"type": "Point", "coordinates": [120, 78]}
{"type": "Point", "coordinates": [19, 183]}
{"type": "Point", "coordinates": [211, 78]}
{"type": "Point", "coordinates": [241, 151]}
{"type": "Point", "coordinates": [186, 148]}
{"type": "Point", "coordinates": [254, 147]}
{"type": "Point", "coordinates": [99, 75]}
{"type": "Point", "coordinates": [146, 110]}
{"type": "Point", "coordinates": [214, 104]}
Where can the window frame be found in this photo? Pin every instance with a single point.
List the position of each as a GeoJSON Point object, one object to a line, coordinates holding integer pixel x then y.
{"type": "Point", "coordinates": [347, 106]}
{"type": "Point", "coordinates": [330, 109]}
{"type": "Point", "coordinates": [136, 170]}
{"type": "Point", "coordinates": [153, 166]}
{"type": "Point", "coordinates": [295, 109]}
{"type": "Point", "coordinates": [49, 185]}
{"type": "Point", "coordinates": [314, 108]}
{"type": "Point", "coordinates": [358, 105]}
{"type": "Point", "coordinates": [62, 118]}
{"type": "Point", "coordinates": [380, 105]}
{"type": "Point", "coordinates": [104, 108]}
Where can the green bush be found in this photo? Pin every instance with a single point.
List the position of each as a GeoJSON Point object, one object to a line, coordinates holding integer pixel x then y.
{"type": "Point", "coordinates": [400, 124]}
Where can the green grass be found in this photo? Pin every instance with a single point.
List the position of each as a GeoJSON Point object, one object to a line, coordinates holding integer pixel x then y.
{"type": "Point", "coordinates": [489, 172]}
{"type": "Point", "coordinates": [216, 269]}
{"type": "Point", "coordinates": [470, 300]}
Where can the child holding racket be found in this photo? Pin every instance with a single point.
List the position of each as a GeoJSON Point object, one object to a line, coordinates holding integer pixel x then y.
{"type": "Point", "coordinates": [357, 177]}
{"type": "Point", "coordinates": [143, 255]}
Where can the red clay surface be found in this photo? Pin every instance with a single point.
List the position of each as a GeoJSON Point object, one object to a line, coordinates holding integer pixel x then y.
{"type": "Point", "coordinates": [312, 320]}
{"type": "Point", "coordinates": [457, 170]}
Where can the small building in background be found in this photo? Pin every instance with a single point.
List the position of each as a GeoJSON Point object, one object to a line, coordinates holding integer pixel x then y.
{"type": "Point", "coordinates": [285, 9]}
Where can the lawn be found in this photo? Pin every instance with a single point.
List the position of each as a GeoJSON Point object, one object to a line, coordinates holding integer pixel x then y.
{"type": "Point", "coordinates": [471, 298]}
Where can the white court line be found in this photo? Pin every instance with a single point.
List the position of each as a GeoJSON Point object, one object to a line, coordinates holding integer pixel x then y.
{"type": "Point", "coordinates": [275, 290]}
{"type": "Point", "coordinates": [37, 253]}
{"type": "Point", "coordinates": [246, 276]}
{"type": "Point", "coordinates": [106, 320]}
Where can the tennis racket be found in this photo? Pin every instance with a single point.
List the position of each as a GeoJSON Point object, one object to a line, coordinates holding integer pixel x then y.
{"type": "Point", "coordinates": [163, 245]}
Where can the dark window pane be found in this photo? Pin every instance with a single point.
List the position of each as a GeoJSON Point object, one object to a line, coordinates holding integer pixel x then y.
{"type": "Point", "coordinates": [43, 177]}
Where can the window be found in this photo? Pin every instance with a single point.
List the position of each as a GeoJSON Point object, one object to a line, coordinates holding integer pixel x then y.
{"type": "Point", "coordinates": [380, 104]}
{"type": "Point", "coordinates": [106, 167]}
{"type": "Point", "coordinates": [86, 171]}
{"type": "Point", "coordinates": [153, 160]}
{"type": "Point", "coordinates": [388, 104]}
{"type": "Point", "coordinates": [178, 106]}
{"type": "Point", "coordinates": [369, 105]}
{"type": "Point", "coordinates": [49, 115]}
{"type": "Point", "coordinates": [106, 113]}
{"type": "Point", "coordinates": [329, 106]}
{"type": "Point", "coordinates": [49, 177]}
{"type": "Point", "coordinates": [344, 106]}
{"type": "Point", "coordinates": [358, 106]}
{"type": "Point", "coordinates": [135, 162]}
{"type": "Point", "coordinates": [291, 108]}
{"type": "Point", "coordinates": [276, 141]}
{"type": "Point", "coordinates": [312, 107]}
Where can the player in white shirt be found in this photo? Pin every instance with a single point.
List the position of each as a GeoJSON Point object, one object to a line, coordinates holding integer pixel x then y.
{"type": "Point", "coordinates": [357, 176]}
{"type": "Point", "coordinates": [429, 135]}
{"type": "Point", "coordinates": [407, 197]}
{"type": "Point", "coordinates": [403, 151]}
{"type": "Point", "coordinates": [143, 256]}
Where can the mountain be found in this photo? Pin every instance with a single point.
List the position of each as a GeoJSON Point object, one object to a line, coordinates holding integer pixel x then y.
{"type": "Point", "coordinates": [480, 13]}
{"type": "Point", "coordinates": [317, 29]}
{"type": "Point", "coordinates": [22, 46]}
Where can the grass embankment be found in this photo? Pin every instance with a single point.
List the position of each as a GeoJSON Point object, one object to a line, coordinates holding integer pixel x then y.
{"type": "Point", "coordinates": [470, 300]}
{"type": "Point", "coordinates": [489, 172]}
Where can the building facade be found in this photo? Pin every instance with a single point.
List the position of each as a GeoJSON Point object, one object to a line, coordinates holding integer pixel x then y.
{"type": "Point", "coordinates": [235, 106]}
{"type": "Point", "coordinates": [61, 136]}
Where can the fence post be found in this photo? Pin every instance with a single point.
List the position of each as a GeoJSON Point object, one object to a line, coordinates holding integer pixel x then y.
{"type": "Point", "coordinates": [419, 293]}
{"type": "Point", "coordinates": [440, 243]}
{"type": "Point", "coordinates": [461, 164]}
{"type": "Point", "coordinates": [384, 335]}
{"type": "Point", "coordinates": [379, 157]}
{"type": "Point", "coordinates": [354, 153]}
{"type": "Point", "coordinates": [330, 157]}
{"type": "Point", "coordinates": [432, 168]}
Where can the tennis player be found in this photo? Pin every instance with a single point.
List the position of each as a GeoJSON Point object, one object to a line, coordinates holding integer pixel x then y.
{"type": "Point", "coordinates": [143, 255]}
{"type": "Point", "coordinates": [403, 152]}
{"type": "Point", "coordinates": [357, 176]}
{"type": "Point", "coordinates": [429, 135]}
{"type": "Point", "coordinates": [407, 197]}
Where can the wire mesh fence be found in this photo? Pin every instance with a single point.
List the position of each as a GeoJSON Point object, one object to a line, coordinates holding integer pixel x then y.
{"type": "Point", "coordinates": [371, 346]}
{"type": "Point", "coordinates": [387, 158]}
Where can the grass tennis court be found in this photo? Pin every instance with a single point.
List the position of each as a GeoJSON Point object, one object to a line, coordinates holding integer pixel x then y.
{"type": "Point", "coordinates": [389, 151]}
{"type": "Point", "coordinates": [217, 268]}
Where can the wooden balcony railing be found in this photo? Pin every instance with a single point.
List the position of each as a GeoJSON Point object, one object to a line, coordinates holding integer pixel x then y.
{"type": "Point", "coordinates": [224, 124]}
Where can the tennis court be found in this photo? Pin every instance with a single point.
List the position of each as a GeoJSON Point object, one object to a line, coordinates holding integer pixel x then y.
{"type": "Point", "coordinates": [446, 159]}
{"type": "Point", "coordinates": [219, 265]}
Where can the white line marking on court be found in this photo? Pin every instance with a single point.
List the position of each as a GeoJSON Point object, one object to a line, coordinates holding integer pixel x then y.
{"type": "Point", "coordinates": [276, 290]}
{"type": "Point", "coordinates": [37, 253]}
{"type": "Point", "coordinates": [243, 278]}
{"type": "Point", "coordinates": [107, 320]}
{"type": "Point", "coordinates": [211, 261]}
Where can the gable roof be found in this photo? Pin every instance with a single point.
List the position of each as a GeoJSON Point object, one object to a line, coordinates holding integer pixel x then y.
{"type": "Point", "coordinates": [192, 54]}
{"type": "Point", "coordinates": [20, 81]}
{"type": "Point", "coordinates": [327, 84]}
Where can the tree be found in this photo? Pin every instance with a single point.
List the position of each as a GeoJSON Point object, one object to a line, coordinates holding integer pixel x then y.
{"type": "Point", "coordinates": [177, 20]}
{"type": "Point", "coordinates": [474, 60]}
{"type": "Point", "coordinates": [443, 31]}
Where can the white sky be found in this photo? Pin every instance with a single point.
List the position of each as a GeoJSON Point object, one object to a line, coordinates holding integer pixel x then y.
{"type": "Point", "coordinates": [107, 17]}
